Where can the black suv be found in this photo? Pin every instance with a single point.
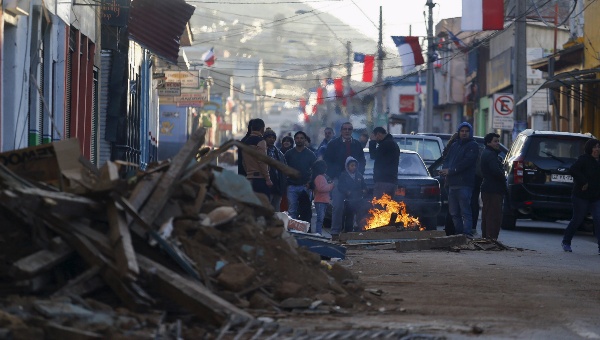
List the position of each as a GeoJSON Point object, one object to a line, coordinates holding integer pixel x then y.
{"type": "Point", "coordinates": [537, 171]}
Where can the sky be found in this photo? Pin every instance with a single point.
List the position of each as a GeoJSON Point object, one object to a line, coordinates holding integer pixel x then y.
{"type": "Point", "coordinates": [400, 17]}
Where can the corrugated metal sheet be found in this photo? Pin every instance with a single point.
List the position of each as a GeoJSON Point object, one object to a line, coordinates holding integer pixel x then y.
{"type": "Point", "coordinates": [103, 144]}
{"type": "Point", "coordinates": [158, 25]}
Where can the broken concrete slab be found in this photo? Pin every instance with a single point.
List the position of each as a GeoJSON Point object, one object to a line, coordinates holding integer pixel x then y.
{"type": "Point", "coordinates": [390, 235]}
{"type": "Point", "coordinates": [431, 243]}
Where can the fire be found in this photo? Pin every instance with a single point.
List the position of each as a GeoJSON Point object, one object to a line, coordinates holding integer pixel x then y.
{"type": "Point", "coordinates": [380, 218]}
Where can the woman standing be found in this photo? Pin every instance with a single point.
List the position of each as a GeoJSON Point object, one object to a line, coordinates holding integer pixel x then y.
{"type": "Point", "coordinates": [287, 143]}
{"type": "Point", "coordinates": [586, 192]}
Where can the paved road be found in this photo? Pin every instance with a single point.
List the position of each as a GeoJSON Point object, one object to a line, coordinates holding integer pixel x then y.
{"type": "Point", "coordinates": [540, 292]}
{"type": "Point", "coordinates": [546, 237]}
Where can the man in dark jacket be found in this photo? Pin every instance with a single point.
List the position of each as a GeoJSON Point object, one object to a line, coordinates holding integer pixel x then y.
{"type": "Point", "coordinates": [493, 187]}
{"type": "Point", "coordinates": [301, 159]}
{"type": "Point", "coordinates": [338, 150]}
{"type": "Point", "coordinates": [329, 134]}
{"type": "Point", "coordinates": [459, 169]}
{"type": "Point", "coordinates": [241, 170]}
{"type": "Point", "coordinates": [277, 177]}
{"type": "Point", "coordinates": [386, 153]}
{"type": "Point", "coordinates": [257, 172]}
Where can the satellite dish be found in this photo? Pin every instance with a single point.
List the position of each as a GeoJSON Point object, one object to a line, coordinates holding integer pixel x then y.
{"type": "Point", "coordinates": [554, 13]}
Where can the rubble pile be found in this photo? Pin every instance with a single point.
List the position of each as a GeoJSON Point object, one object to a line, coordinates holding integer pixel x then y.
{"type": "Point", "coordinates": [181, 250]}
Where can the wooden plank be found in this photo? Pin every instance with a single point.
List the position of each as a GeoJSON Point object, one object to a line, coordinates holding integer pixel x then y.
{"type": "Point", "coordinates": [83, 284]}
{"type": "Point", "coordinates": [165, 186]}
{"type": "Point", "coordinates": [425, 244]}
{"type": "Point", "coordinates": [391, 235]}
{"type": "Point", "coordinates": [200, 198]}
{"type": "Point", "coordinates": [43, 260]}
{"type": "Point", "coordinates": [93, 257]}
{"type": "Point", "coordinates": [139, 196]}
{"type": "Point", "coordinates": [56, 331]}
{"type": "Point", "coordinates": [191, 295]}
{"type": "Point", "coordinates": [287, 170]}
{"type": "Point", "coordinates": [120, 240]}
{"type": "Point", "coordinates": [35, 199]}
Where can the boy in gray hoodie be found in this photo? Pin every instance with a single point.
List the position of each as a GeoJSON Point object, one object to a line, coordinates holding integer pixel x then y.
{"type": "Point", "coordinates": [353, 188]}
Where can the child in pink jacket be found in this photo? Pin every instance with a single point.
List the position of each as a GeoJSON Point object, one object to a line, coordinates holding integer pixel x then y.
{"type": "Point", "coordinates": [322, 187]}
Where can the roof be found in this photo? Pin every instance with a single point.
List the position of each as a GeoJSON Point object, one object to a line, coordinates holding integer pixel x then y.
{"type": "Point", "coordinates": [565, 79]}
{"type": "Point", "coordinates": [158, 25]}
{"type": "Point", "coordinates": [530, 132]}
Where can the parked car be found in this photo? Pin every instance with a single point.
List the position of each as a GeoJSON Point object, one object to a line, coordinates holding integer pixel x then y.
{"type": "Point", "coordinates": [537, 169]}
{"type": "Point", "coordinates": [416, 188]}
{"type": "Point", "coordinates": [445, 137]}
{"type": "Point", "coordinates": [436, 166]}
{"type": "Point", "coordinates": [428, 147]}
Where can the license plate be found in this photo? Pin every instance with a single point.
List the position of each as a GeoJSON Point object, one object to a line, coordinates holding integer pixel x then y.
{"type": "Point", "coordinates": [561, 178]}
{"type": "Point", "coordinates": [400, 192]}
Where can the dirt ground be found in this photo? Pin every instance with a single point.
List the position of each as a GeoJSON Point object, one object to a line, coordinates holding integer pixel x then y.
{"type": "Point", "coordinates": [517, 294]}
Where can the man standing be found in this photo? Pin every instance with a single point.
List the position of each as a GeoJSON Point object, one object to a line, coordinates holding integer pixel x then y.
{"type": "Point", "coordinates": [277, 177]}
{"type": "Point", "coordinates": [459, 169]}
{"type": "Point", "coordinates": [301, 159]}
{"type": "Point", "coordinates": [338, 150]}
{"type": "Point", "coordinates": [386, 153]}
{"type": "Point", "coordinates": [257, 172]}
{"type": "Point", "coordinates": [493, 187]}
{"type": "Point", "coordinates": [363, 139]}
{"type": "Point", "coordinates": [329, 134]}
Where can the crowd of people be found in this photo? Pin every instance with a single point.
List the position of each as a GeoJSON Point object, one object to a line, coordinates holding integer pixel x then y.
{"type": "Point", "coordinates": [331, 177]}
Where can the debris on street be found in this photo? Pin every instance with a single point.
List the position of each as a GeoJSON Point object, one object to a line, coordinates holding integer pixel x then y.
{"type": "Point", "coordinates": [180, 250]}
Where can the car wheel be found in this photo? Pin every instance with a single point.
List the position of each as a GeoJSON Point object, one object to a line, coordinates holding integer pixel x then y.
{"type": "Point", "coordinates": [509, 221]}
{"type": "Point", "coordinates": [430, 223]}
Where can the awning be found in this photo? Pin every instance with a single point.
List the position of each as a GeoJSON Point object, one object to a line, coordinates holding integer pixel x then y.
{"type": "Point", "coordinates": [158, 25]}
{"type": "Point", "coordinates": [565, 79]}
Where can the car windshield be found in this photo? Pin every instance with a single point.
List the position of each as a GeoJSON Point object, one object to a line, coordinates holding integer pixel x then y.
{"type": "Point", "coordinates": [429, 149]}
{"type": "Point", "coordinates": [410, 164]}
{"type": "Point", "coordinates": [558, 149]}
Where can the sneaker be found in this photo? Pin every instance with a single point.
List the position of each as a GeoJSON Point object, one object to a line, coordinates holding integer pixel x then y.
{"type": "Point", "coordinates": [567, 247]}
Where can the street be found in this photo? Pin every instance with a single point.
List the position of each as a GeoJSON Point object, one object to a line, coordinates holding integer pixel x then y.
{"type": "Point", "coordinates": [534, 292]}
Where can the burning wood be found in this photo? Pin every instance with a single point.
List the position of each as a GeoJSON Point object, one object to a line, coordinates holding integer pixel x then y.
{"type": "Point", "coordinates": [384, 217]}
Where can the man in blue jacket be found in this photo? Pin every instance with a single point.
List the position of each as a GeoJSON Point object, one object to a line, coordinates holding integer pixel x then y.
{"type": "Point", "coordinates": [459, 169]}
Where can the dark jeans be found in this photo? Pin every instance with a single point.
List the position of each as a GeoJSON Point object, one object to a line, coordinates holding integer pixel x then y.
{"type": "Point", "coordinates": [260, 185]}
{"type": "Point", "coordinates": [356, 208]}
{"type": "Point", "coordinates": [491, 215]}
{"type": "Point", "coordinates": [459, 206]}
{"type": "Point", "coordinates": [581, 207]}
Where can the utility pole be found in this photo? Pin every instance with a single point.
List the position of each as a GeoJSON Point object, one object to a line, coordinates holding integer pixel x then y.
{"type": "Point", "coordinates": [379, 107]}
{"type": "Point", "coordinates": [520, 70]}
{"type": "Point", "coordinates": [348, 76]}
{"type": "Point", "coordinates": [428, 114]}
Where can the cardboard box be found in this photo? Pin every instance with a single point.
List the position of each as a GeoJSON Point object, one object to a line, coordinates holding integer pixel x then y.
{"type": "Point", "coordinates": [56, 163]}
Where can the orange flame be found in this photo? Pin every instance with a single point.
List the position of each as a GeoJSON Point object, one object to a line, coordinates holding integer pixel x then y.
{"type": "Point", "coordinates": [381, 217]}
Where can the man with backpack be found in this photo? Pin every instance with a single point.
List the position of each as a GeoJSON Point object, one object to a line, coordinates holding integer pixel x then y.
{"type": "Point", "coordinates": [257, 172]}
{"type": "Point", "coordinates": [459, 169]}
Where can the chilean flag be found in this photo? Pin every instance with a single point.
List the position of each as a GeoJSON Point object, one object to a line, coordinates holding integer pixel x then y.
{"type": "Point", "coordinates": [458, 43]}
{"type": "Point", "coordinates": [410, 51]}
{"type": "Point", "coordinates": [362, 69]}
{"type": "Point", "coordinates": [209, 57]}
{"type": "Point", "coordinates": [338, 84]}
{"type": "Point", "coordinates": [482, 15]}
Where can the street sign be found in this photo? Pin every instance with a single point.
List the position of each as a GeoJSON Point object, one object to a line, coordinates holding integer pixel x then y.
{"type": "Point", "coordinates": [168, 88]}
{"type": "Point", "coordinates": [503, 111]}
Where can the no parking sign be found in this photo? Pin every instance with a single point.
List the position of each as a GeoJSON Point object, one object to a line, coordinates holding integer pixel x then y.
{"type": "Point", "coordinates": [503, 111]}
